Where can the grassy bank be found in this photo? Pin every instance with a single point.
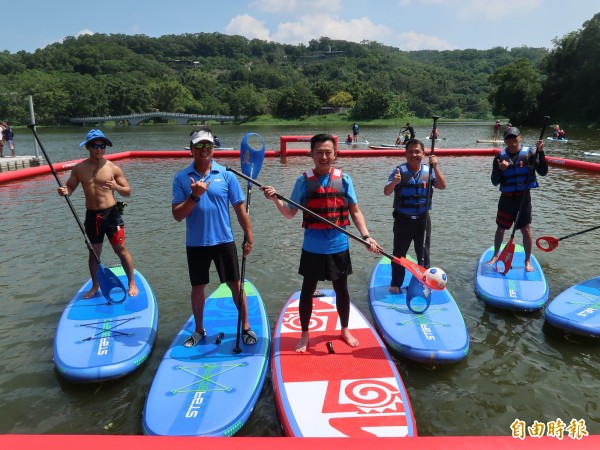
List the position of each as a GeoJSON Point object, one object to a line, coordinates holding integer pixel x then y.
{"type": "Point", "coordinates": [340, 119]}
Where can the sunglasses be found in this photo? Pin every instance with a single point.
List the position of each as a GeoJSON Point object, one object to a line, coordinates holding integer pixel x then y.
{"type": "Point", "coordinates": [98, 146]}
{"type": "Point", "coordinates": [202, 145]}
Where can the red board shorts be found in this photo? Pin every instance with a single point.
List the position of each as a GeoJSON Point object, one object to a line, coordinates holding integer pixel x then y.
{"type": "Point", "coordinates": [105, 222]}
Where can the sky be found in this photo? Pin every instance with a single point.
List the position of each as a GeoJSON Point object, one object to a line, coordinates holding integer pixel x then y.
{"type": "Point", "coordinates": [405, 24]}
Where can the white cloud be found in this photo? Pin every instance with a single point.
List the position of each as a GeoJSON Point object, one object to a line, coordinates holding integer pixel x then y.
{"type": "Point", "coordinates": [248, 27]}
{"type": "Point", "coordinates": [315, 26]}
{"type": "Point", "coordinates": [309, 27]}
{"type": "Point", "coordinates": [415, 41]}
{"type": "Point", "coordinates": [84, 32]}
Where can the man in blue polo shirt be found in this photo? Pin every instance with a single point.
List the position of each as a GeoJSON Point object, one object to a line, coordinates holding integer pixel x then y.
{"type": "Point", "coordinates": [202, 193]}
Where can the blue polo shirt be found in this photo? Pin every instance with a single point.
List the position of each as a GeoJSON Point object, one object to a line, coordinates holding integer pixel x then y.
{"type": "Point", "coordinates": [330, 240]}
{"type": "Point", "coordinates": [209, 222]}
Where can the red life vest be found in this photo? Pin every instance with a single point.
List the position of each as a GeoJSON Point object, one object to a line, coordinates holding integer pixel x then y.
{"type": "Point", "coordinates": [329, 202]}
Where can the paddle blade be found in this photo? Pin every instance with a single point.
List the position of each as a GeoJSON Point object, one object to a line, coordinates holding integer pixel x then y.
{"type": "Point", "coordinates": [110, 285]}
{"type": "Point", "coordinates": [418, 296]}
{"type": "Point", "coordinates": [546, 243]}
{"type": "Point", "coordinates": [506, 256]}
{"type": "Point", "coordinates": [252, 154]}
{"type": "Point", "coordinates": [417, 271]}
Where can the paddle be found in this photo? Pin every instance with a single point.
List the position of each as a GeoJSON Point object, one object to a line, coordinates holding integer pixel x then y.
{"type": "Point", "coordinates": [415, 290]}
{"type": "Point", "coordinates": [551, 242]}
{"type": "Point", "coordinates": [251, 160]}
{"type": "Point", "coordinates": [414, 268]}
{"type": "Point", "coordinates": [507, 253]}
{"type": "Point", "coordinates": [107, 280]}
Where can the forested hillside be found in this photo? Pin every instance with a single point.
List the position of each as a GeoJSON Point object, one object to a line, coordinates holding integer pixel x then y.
{"type": "Point", "coordinates": [212, 73]}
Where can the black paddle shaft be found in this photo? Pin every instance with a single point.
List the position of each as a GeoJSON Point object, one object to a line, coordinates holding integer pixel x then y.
{"type": "Point", "coordinates": [429, 187]}
{"type": "Point", "coordinates": [578, 233]}
{"type": "Point", "coordinates": [87, 241]}
{"type": "Point", "coordinates": [529, 175]}
{"type": "Point", "coordinates": [237, 348]}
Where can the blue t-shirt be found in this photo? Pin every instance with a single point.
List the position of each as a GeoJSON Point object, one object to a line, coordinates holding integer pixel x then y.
{"type": "Point", "coordinates": [330, 240]}
{"type": "Point", "coordinates": [209, 223]}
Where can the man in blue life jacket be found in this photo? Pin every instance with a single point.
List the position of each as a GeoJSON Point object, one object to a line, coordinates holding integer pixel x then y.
{"type": "Point", "coordinates": [514, 169]}
{"type": "Point", "coordinates": [409, 183]}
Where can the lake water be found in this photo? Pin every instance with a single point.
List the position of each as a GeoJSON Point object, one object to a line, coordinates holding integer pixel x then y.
{"type": "Point", "coordinates": [517, 368]}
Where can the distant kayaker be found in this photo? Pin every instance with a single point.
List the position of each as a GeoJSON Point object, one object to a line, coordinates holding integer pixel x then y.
{"type": "Point", "coordinates": [511, 170]}
{"type": "Point", "coordinates": [411, 132]}
{"type": "Point", "coordinates": [496, 134]}
{"type": "Point", "coordinates": [558, 133]}
{"type": "Point", "coordinates": [9, 136]}
{"type": "Point", "coordinates": [349, 139]}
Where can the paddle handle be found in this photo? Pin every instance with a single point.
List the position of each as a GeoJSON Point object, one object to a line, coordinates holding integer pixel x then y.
{"type": "Point", "coordinates": [433, 130]}
{"type": "Point", "coordinates": [87, 241]}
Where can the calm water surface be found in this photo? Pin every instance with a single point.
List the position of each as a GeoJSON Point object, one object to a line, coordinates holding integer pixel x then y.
{"type": "Point", "coordinates": [517, 367]}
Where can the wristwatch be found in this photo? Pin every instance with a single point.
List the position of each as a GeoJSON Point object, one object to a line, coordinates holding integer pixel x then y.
{"type": "Point", "coordinates": [365, 237]}
{"type": "Point", "coordinates": [194, 198]}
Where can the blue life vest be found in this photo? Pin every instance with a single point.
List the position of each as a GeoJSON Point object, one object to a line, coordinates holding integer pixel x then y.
{"type": "Point", "coordinates": [328, 202]}
{"type": "Point", "coordinates": [515, 177]}
{"type": "Point", "coordinates": [410, 195]}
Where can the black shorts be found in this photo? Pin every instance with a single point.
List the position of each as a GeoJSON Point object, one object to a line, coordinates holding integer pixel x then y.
{"type": "Point", "coordinates": [105, 222]}
{"type": "Point", "coordinates": [224, 256]}
{"type": "Point", "coordinates": [508, 208]}
{"type": "Point", "coordinates": [325, 267]}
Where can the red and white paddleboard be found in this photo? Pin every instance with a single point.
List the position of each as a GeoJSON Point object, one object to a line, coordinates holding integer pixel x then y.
{"type": "Point", "coordinates": [336, 390]}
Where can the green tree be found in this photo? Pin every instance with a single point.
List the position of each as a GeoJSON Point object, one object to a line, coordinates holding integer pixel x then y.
{"type": "Point", "coordinates": [572, 86]}
{"type": "Point", "coordinates": [296, 101]}
{"type": "Point", "coordinates": [371, 104]}
{"type": "Point", "coordinates": [169, 95]}
{"type": "Point", "coordinates": [342, 99]}
{"type": "Point", "coordinates": [248, 102]}
{"type": "Point", "coordinates": [128, 94]}
{"type": "Point", "coordinates": [515, 91]}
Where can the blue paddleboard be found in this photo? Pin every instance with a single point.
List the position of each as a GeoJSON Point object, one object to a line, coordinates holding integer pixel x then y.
{"type": "Point", "coordinates": [577, 309]}
{"type": "Point", "coordinates": [208, 390]}
{"type": "Point", "coordinates": [438, 335]}
{"type": "Point", "coordinates": [98, 341]}
{"type": "Point", "coordinates": [518, 290]}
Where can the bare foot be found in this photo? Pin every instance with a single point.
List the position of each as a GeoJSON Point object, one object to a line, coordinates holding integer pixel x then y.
{"type": "Point", "coordinates": [493, 261]}
{"type": "Point", "coordinates": [394, 290]}
{"type": "Point", "coordinates": [350, 340]}
{"type": "Point", "coordinates": [133, 290]}
{"type": "Point", "coordinates": [93, 291]}
{"type": "Point", "coordinates": [302, 344]}
{"type": "Point", "coordinates": [528, 267]}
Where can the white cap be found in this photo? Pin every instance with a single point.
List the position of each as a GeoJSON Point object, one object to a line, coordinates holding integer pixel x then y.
{"type": "Point", "coordinates": [202, 135]}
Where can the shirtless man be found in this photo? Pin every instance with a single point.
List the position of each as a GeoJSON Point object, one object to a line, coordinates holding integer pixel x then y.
{"type": "Point", "coordinates": [100, 178]}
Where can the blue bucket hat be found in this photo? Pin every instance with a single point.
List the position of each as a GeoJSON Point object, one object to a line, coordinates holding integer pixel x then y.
{"type": "Point", "coordinates": [96, 134]}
